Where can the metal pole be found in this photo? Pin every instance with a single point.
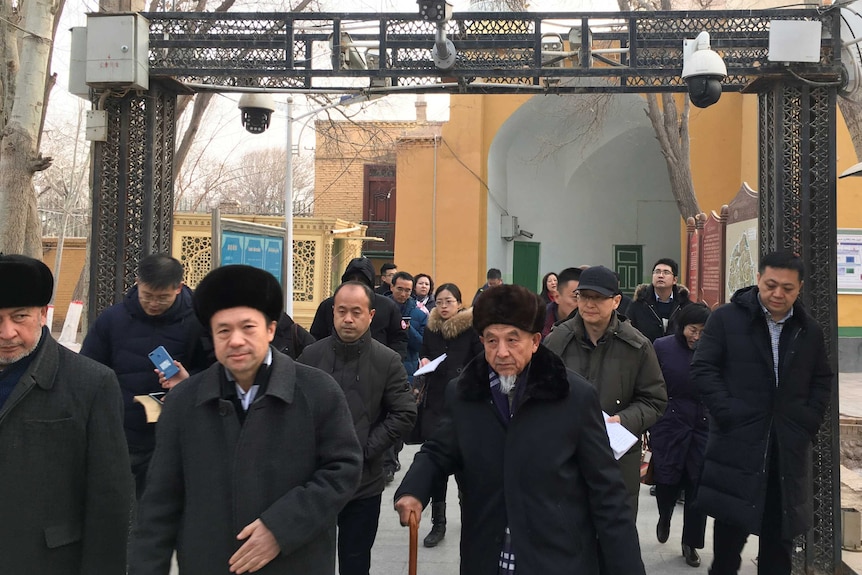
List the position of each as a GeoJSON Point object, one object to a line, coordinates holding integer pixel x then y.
{"type": "Point", "coordinates": [288, 214]}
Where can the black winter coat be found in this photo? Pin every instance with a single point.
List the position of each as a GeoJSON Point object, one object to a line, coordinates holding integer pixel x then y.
{"type": "Point", "coordinates": [549, 475]}
{"type": "Point", "coordinates": [380, 401]}
{"type": "Point", "coordinates": [459, 341]}
{"type": "Point", "coordinates": [678, 438]}
{"type": "Point", "coordinates": [749, 411]}
{"type": "Point", "coordinates": [643, 315]}
{"type": "Point", "coordinates": [290, 337]}
{"type": "Point", "coordinates": [122, 337]}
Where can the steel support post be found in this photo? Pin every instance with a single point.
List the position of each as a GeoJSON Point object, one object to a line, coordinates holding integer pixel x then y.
{"type": "Point", "coordinates": [798, 212]}
{"type": "Point", "coordinates": [132, 191]}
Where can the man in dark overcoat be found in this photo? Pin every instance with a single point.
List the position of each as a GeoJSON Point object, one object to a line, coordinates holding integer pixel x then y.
{"type": "Point", "coordinates": [541, 492]}
{"type": "Point", "coordinates": [64, 468]}
{"type": "Point", "coordinates": [254, 457]}
{"type": "Point", "coordinates": [383, 409]}
{"type": "Point", "coordinates": [762, 371]}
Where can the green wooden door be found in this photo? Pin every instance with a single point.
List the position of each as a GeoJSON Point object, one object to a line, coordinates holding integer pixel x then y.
{"type": "Point", "coordinates": [628, 263]}
{"type": "Point", "coordinates": [525, 265]}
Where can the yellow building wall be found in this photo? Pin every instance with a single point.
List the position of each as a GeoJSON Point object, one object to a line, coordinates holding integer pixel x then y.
{"type": "Point", "coordinates": [442, 193]}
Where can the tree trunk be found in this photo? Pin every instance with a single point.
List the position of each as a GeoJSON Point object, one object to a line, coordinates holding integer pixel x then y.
{"type": "Point", "coordinates": [671, 128]}
{"type": "Point", "coordinates": [20, 229]}
{"type": "Point", "coordinates": [852, 112]}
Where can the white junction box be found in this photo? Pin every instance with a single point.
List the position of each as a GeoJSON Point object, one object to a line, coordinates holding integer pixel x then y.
{"type": "Point", "coordinates": [96, 125]}
{"type": "Point", "coordinates": [795, 40]}
{"type": "Point", "coordinates": [117, 51]}
{"type": "Point", "coordinates": [509, 228]}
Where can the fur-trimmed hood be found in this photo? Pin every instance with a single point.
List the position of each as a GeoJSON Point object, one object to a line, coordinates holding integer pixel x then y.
{"type": "Point", "coordinates": [547, 378]}
{"type": "Point", "coordinates": [452, 327]}
{"type": "Point", "coordinates": [646, 292]}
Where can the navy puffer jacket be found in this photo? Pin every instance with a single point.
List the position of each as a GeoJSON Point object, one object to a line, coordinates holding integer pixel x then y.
{"type": "Point", "coordinates": [123, 336]}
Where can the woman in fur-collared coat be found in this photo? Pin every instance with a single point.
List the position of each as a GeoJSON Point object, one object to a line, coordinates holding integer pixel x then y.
{"type": "Point", "coordinates": [450, 331]}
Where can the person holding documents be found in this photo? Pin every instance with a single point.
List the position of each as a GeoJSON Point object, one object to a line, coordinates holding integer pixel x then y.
{"type": "Point", "coordinates": [541, 492]}
{"type": "Point", "coordinates": [601, 345]}
{"type": "Point", "coordinates": [450, 331]}
{"type": "Point", "coordinates": [678, 439]}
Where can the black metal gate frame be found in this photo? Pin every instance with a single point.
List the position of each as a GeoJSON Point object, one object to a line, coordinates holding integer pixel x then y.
{"type": "Point", "coordinates": [497, 53]}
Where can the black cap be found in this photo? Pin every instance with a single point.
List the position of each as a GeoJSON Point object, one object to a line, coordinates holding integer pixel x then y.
{"type": "Point", "coordinates": [24, 282]}
{"type": "Point", "coordinates": [599, 279]}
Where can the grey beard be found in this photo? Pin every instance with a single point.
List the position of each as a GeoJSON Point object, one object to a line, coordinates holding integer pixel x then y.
{"type": "Point", "coordinates": [507, 383]}
{"type": "Point", "coordinates": [6, 362]}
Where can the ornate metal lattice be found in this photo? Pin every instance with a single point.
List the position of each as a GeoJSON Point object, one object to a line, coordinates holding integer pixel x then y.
{"type": "Point", "coordinates": [196, 256]}
{"type": "Point", "coordinates": [304, 261]}
{"type": "Point", "coordinates": [798, 212]}
{"type": "Point", "coordinates": [496, 52]}
{"type": "Point", "coordinates": [132, 191]}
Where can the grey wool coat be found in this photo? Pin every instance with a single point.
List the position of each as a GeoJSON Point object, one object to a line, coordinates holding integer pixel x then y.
{"type": "Point", "coordinates": [64, 469]}
{"type": "Point", "coordinates": [625, 370]}
{"type": "Point", "coordinates": [293, 464]}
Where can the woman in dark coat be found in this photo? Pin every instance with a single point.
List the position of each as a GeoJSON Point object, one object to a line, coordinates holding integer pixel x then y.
{"type": "Point", "coordinates": [678, 439]}
{"type": "Point", "coordinates": [450, 331]}
{"type": "Point", "coordinates": [423, 292]}
{"type": "Point", "coordinates": [549, 288]}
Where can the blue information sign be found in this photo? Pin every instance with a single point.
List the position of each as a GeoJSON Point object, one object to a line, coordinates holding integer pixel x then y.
{"type": "Point", "coordinates": [256, 250]}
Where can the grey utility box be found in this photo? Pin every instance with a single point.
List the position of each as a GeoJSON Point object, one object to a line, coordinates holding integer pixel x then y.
{"type": "Point", "coordinates": [117, 51]}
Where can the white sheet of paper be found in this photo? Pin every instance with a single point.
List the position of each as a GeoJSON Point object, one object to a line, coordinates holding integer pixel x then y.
{"type": "Point", "coordinates": [621, 438]}
{"type": "Point", "coordinates": [430, 366]}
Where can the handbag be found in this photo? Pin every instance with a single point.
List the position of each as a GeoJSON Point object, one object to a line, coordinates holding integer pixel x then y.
{"type": "Point", "coordinates": [415, 435]}
{"type": "Point", "coordinates": [646, 463]}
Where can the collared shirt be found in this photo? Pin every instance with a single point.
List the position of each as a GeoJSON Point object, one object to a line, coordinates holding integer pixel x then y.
{"type": "Point", "coordinates": [668, 300]}
{"type": "Point", "coordinates": [247, 397]}
{"type": "Point", "coordinates": [774, 328]}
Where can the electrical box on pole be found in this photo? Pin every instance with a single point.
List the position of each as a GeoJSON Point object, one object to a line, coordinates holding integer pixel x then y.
{"type": "Point", "coordinates": [117, 51]}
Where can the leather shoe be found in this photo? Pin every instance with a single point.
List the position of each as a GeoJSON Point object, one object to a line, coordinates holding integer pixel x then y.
{"type": "Point", "coordinates": [692, 559]}
{"type": "Point", "coordinates": [662, 530]}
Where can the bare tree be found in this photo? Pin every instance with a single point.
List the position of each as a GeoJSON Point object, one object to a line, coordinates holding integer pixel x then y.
{"type": "Point", "coordinates": [26, 41]}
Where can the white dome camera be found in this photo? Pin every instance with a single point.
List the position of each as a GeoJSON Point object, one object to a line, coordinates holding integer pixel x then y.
{"type": "Point", "coordinates": [256, 111]}
{"type": "Point", "coordinates": [702, 70]}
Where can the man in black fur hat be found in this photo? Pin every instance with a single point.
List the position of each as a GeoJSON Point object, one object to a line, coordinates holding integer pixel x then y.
{"type": "Point", "coordinates": [64, 468]}
{"type": "Point", "coordinates": [254, 457]}
{"type": "Point", "coordinates": [525, 436]}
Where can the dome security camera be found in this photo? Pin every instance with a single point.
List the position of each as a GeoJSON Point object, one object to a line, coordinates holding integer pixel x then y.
{"type": "Point", "coordinates": [702, 70]}
{"type": "Point", "coordinates": [256, 112]}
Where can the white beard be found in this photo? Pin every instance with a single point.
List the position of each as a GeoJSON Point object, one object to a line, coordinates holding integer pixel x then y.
{"type": "Point", "coordinates": [507, 383]}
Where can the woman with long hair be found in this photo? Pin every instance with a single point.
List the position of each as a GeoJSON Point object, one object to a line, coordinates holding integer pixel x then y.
{"type": "Point", "coordinates": [549, 288]}
{"type": "Point", "coordinates": [678, 438]}
{"type": "Point", "coordinates": [450, 331]}
{"type": "Point", "coordinates": [423, 291]}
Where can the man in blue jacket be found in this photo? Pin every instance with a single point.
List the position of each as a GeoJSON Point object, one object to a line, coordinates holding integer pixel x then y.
{"type": "Point", "coordinates": [156, 311]}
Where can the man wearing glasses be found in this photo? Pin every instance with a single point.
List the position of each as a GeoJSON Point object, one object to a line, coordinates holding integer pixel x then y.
{"type": "Point", "coordinates": [655, 305]}
{"type": "Point", "coordinates": [617, 359]}
{"type": "Point", "coordinates": [156, 311]}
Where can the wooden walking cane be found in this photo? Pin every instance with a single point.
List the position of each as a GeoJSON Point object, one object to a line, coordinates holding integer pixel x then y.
{"type": "Point", "coordinates": [413, 522]}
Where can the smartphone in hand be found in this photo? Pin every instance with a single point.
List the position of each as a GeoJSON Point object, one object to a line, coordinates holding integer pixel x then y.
{"type": "Point", "coordinates": [164, 362]}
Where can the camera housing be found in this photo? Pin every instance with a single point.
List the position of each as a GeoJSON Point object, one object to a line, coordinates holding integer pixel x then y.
{"type": "Point", "coordinates": [702, 70]}
{"type": "Point", "coordinates": [256, 112]}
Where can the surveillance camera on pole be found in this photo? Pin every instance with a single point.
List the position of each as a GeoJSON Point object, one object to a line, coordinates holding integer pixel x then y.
{"type": "Point", "coordinates": [256, 112]}
{"type": "Point", "coordinates": [702, 70]}
{"type": "Point", "coordinates": [435, 10]}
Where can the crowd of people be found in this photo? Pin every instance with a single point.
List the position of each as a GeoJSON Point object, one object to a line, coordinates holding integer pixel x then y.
{"type": "Point", "coordinates": [274, 444]}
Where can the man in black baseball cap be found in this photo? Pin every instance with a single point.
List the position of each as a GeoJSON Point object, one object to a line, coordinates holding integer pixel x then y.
{"type": "Point", "coordinates": [64, 471]}
{"type": "Point", "coordinates": [603, 347]}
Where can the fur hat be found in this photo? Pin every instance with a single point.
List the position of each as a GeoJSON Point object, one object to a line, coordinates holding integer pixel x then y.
{"type": "Point", "coordinates": [238, 286]}
{"type": "Point", "coordinates": [509, 305]}
{"type": "Point", "coordinates": [24, 282]}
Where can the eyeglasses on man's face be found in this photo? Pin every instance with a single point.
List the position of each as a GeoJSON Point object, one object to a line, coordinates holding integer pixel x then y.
{"type": "Point", "coordinates": [402, 289]}
{"type": "Point", "coordinates": [662, 273]}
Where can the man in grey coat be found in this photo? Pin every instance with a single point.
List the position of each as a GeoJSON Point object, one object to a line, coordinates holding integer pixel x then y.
{"type": "Point", "coordinates": [617, 359]}
{"type": "Point", "coordinates": [64, 468]}
{"type": "Point", "coordinates": [254, 457]}
{"type": "Point", "coordinates": [383, 408]}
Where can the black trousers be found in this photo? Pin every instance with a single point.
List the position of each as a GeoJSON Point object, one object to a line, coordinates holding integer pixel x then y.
{"type": "Point", "coordinates": [390, 456]}
{"type": "Point", "coordinates": [140, 462]}
{"type": "Point", "coordinates": [693, 520]}
{"type": "Point", "coordinates": [774, 552]}
{"type": "Point", "coordinates": [357, 530]}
